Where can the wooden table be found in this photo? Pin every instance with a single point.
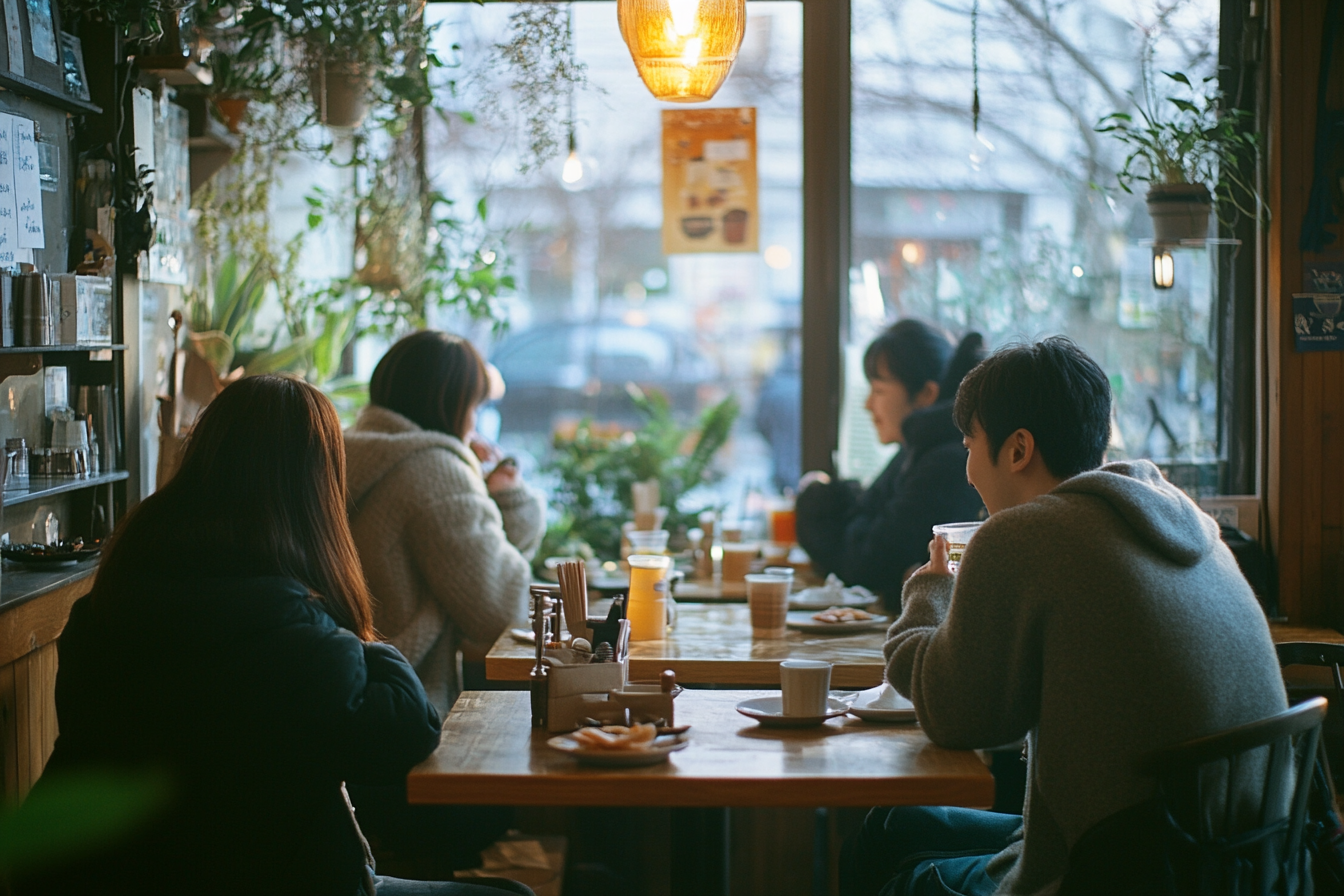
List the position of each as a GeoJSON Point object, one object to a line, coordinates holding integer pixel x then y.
{"type": "Point", "coordinates": [490, 754]}
{"type": "Point", "coordinates": [712, 644]}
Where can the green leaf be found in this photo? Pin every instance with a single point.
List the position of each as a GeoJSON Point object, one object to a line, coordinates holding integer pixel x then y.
{"type": "Point", "coordinates": [1180, 78]}
{"type": "Point", "coordinates": [77, 813]}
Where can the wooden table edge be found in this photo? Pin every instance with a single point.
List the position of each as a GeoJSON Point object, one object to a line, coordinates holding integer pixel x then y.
{"type": "Point", "coordinates": [615, 788]}
{"type": "Point", "coordinates": [746, 673]}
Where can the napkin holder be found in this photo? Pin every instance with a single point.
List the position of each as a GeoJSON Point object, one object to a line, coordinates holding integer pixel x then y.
{"type": "Point", "coordinates": [580, 691]}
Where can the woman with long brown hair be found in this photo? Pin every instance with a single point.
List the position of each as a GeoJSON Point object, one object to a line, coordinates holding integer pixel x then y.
{"type": "Point", "coordinates": [227, 648]}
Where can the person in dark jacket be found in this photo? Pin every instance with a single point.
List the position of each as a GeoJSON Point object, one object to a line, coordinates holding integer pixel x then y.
{"type": "Point", "coordinates": [872, 537]}
{"type": "Point", "coordinates": [226, 657]}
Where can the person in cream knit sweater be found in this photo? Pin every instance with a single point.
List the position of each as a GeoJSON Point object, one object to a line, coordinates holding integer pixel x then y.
{"type": "Point", "coordinates": [445, 544]}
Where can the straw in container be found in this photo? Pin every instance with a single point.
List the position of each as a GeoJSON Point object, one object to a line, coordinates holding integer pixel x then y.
{"type": "Point", "coordinates": [573, 578]}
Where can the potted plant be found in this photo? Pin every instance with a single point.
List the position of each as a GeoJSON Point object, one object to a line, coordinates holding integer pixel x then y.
{"type": "Point", "coordinates": [596, 467]}
{"type": "Point", "coordinates": [347, 44]}
{"type": "Point", "coordinates": [1180, 148]}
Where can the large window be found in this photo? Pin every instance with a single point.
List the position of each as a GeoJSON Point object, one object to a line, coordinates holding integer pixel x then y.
{"type": "Point", "coordinates": [1020, 231]}
{"type": "Point", "coordinates": [598, 303]}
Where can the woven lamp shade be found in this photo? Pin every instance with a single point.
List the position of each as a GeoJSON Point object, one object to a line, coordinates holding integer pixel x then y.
{"type": "Point", "coordinates": [683, 49]}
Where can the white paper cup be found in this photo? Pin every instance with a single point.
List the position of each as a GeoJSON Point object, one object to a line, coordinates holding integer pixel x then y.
{"type": "Point", "coordinates": [958, 535]}
{"type": "Point", "coordinates": [804, 685]}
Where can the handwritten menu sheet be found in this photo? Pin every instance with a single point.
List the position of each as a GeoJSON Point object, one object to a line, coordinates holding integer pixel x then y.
{"type": "Point", "coordinates": [27, 184]}
{"type": "Point", "coordinates": [9, 228]}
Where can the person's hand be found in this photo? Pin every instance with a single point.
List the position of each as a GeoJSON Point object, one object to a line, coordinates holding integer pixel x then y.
{"type": "Point", "coordinates": [486, 451]}
{"type": "Point", "coordinates": [937, 558]}
{"type": "Point", "coordinates": [503, 477]}
{"type": "Point", "coordinates": [814, 476]}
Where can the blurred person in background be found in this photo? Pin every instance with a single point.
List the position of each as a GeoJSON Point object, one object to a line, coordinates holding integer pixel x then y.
{"type": "Point", "coordinates": [873, 537]}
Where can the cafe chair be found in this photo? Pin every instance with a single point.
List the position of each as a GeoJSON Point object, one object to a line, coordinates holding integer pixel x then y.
{"type": "Point", "coordinates": [1228, 818]}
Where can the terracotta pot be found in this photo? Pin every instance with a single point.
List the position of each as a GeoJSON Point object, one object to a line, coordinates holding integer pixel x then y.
{"type": "Point", "coordinates": [341, 91]}
{"type": "Point", "coordinates": [232, 109]}
{"type": "Point", "coordinates": [1179, 212]}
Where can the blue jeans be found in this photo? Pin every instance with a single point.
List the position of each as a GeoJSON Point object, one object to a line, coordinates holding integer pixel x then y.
{"type": "Point", "coordinates": [924, 851]}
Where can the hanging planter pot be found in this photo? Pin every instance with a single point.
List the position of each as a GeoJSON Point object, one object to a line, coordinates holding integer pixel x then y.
{"type": "Point", "coordinates": [1179, 212]}
{"type": "Point", "coordinates": [341, 91]}
{"type": "Point", "coordinates": [232, 109]}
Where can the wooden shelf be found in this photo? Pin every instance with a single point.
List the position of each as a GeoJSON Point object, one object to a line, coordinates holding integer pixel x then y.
{"type": "Point", "coordinates": [43, 93]}
{"type": "Point", "coordinates": [45, 487]}
{"type": "Point", "coordinates": [44, 349]}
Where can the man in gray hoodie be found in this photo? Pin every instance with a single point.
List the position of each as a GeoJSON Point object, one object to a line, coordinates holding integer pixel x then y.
{"type": "Point", "coordinates": [1096, 613]}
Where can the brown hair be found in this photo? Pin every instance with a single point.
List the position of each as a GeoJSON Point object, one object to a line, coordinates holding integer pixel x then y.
{"type": "Point", "coordinates": [433, 379]}
{"type": "Point", "coordinates": [261, 492]}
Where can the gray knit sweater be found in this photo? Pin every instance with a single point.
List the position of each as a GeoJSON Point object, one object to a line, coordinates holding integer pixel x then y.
{"type": "Point", "coordinates": [447, 562]}
{"type": "Point", "coordinates": [1101, 621]}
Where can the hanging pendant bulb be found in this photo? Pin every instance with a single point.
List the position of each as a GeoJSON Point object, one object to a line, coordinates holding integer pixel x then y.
{"type": "Point", "coordinates": [572, 173]}
{"type": "Point", "coordinates": [683, 49]}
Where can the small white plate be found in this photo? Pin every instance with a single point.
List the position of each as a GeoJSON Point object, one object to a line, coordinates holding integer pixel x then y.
{"type": "Point", "coordinates": [802, 621]}
{"type": "Point", "coordinates": [662, 747]}
{"type": "Point", "coordinates": [769, 711]}
{"type": "Point", "coordinates": [823, 598]}
{"type": "Point", "coordinates": [863, 708]}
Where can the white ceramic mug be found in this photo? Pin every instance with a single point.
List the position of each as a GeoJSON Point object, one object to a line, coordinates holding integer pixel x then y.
{"type": "Point", "coordinates": [805, 685]}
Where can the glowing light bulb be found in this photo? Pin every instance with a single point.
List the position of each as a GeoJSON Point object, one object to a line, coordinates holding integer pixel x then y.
{"type": "Point", "coordinates": [572, 173]}
{"type": "Point", "coordinates": [684, 14]}
{"type": "Point", "coordinates": [690, 57]}
{"type": "Point", "coordinates": [1164, 268]}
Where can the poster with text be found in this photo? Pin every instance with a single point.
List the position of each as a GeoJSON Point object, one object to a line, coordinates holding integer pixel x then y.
{"type": "Point", "coordinates": [709, 181]}
{"type": "Point", "coordinates": [9, 229]}
{"type": "Point", "coordinates": [27, 184]}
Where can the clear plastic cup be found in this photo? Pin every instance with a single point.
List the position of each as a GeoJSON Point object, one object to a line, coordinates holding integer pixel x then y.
{"type": "Point", "coordinates": [737, 559]}
{"type": "Point", "coordinates": [654, 542]}
{"type": "Point", "coordinates": [958, 535]}
{"type": "Point", "coordinates": [768, 598]}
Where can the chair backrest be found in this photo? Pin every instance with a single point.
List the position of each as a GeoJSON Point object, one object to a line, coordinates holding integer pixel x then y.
{"type": "Point", "coordinates": [1235, 804]}
{"type": "Point", "coordinates": [1313, 653]}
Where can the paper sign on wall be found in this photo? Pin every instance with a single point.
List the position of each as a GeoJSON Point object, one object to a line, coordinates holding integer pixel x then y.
{"type": "Point", "coordinates": [27, 184]}
{"type": "Point", "coordinates": [709, 181]}
{"type": "Point", "coordinates": [9, 229]}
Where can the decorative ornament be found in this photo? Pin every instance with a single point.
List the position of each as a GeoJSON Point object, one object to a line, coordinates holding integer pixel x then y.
{"type": "Point", "coordinates": [683, 49]}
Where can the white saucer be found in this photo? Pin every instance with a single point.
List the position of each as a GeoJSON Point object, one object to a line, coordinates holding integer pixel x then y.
{"type": "Point", "coordinates": [802, 621]}
{"type": "Point", "coordinates": [862, 707]}
{"type": "Point", "coordinates": [769, 711]}
{"type": "Point", "coordinates": [655, 753]}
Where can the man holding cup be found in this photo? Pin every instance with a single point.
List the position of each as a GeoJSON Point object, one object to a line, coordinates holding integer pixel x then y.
{"type": "Point", "coordinates": [1095, 613]}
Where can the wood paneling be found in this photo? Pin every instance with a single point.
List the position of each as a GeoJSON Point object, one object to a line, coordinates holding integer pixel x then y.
{"type": "Point", "coordinates": [1305, 451]}
{"type": "Point", "coordinates": [27, 720]}
{"type": "Point", "coordinates": [28, 660]}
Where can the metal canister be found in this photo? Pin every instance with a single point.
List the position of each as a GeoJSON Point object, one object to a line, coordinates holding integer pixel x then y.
{"type": "Point", "coordinates": [36, 323]}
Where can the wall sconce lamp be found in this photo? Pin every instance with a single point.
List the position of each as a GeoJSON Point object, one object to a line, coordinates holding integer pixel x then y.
{"type": "Point", "coordinates": [1164, 268]}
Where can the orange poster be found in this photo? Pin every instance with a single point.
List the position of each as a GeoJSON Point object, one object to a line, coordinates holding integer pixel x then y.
{"type": "Point", "coordinates": [709, 181]}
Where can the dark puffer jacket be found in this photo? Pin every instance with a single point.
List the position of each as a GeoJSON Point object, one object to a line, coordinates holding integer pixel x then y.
{"type": "Point", "coordinates": [254, 705]}
{"type": "Point", "coordinates": [871, 537]}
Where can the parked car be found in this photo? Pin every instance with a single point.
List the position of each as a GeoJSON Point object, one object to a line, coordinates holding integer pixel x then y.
{"type": "Point", "coordinates": [569, 370]}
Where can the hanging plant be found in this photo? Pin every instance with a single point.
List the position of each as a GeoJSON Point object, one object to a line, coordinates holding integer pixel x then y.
{"type": "Point", "coordinates": [1192, 151]}
{"type": "Point", "coordinates": [543, 75]}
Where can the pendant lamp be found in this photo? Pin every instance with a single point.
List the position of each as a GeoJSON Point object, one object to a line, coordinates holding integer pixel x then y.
{"type": "Point", "coordinates": [683, 49]}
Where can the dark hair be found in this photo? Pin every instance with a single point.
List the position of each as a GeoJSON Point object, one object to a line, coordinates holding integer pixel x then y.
{"type": "Point", "coordinates": [433, 379]}
{"type": "Point", "coordinates": [915, 353]}
{"type": "Point", "coordinates": [1050, 388]}
{"type": "Point", "coordinates": [261, 492]}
